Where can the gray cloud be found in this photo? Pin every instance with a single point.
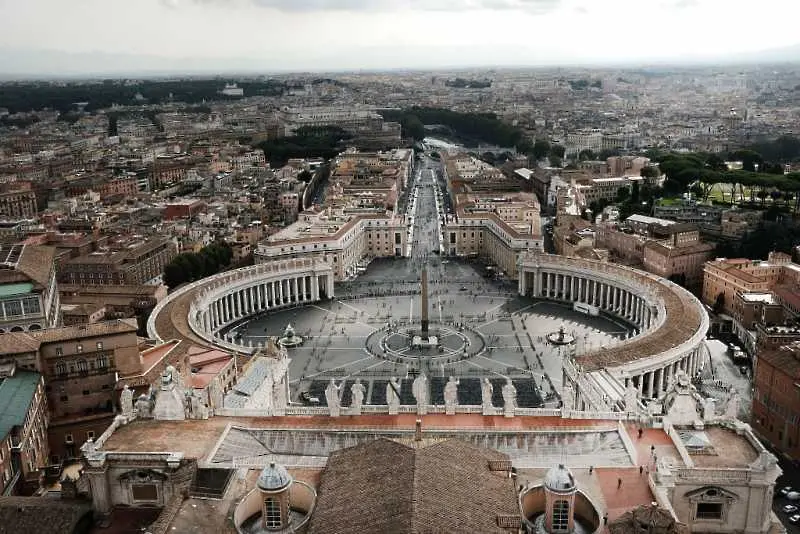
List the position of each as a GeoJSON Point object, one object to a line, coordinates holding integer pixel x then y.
{"type": "Point", "coordinates": [531, 6]}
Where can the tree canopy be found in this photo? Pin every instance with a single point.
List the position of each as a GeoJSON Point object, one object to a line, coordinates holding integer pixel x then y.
{"type": "Point", "coordinates": [191, 266]}
{"type": "Point", "coordinates": [308, 142]}
{"type": "Point", "coordinates": [475, 127]}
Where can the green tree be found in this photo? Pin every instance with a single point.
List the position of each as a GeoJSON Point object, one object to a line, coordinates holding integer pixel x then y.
{"type": "Point", "coordinates": [651, 171]}
{"type": "Point", "coordinates": [623, 194]}
{"type": "Point", "coordinates": [541, 148]}
{"type": "Point", "coordinates": [587, 155]}
{"type": "Point", "coordinates": [557, 150]}
{"type": "Point", "coordinates": [555, 161]}
{"type": "Point", "coordinates": [412, 128]}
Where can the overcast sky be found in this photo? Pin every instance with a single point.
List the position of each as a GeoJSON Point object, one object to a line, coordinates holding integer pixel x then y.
{"type": "Point", "coordinates": [370, 34]}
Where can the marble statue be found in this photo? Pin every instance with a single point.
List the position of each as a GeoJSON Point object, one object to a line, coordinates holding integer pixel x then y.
{"type": "Point", "coordinates": [451, 396]}
{"type": "Point", "coordinates": [357, 392]}
{"type": "Point", "coordinates": [509, 398]}
{"type": "Point", "coordinates": [393, 395]}
{"type": "Point", "coordinates": [126, 401]}
{"type": "Point", "coordinates": [487, 391]}
{"type": "Point", "coordinates": [333, 398]}
{"type": "Point", "coordinates": [166, 377]}
{"type": "Point", "coordinates": [144, 407]}
{"type": "Point", "coordinates": [631, 398]}
{"type": "Point", "coordinates": [419, 388]}
{"type": "Point", "coordinates": [709, 409]}
{"type": "Point", "coordinates": [567, 398]}
{"type": "Point", "coordinates": [289, 331]}
{"type": "Point", "coordinates": [732, 406]}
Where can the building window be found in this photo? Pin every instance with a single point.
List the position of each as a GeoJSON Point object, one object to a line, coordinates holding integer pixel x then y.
{"type": "Point", "coordinates": [102, 362]}
{"type": "Point", "coordinates": [144, 492]}
{"type": "Point", "coordinates": [83, 367]}
{"type": "Point", "coordinates": [79, 348]}
{"type": "Point", "coordinates": [68, 438]}
{"type": "Point", "coordinates": [89, 434]}
{"type": "Point", "coordinates": [61, 368]}
{"type": "Point", "coordinates": [709, 510]}
{"type": "Point", "coordinates": [561, 516]}
{"type": "Point", "coordinates": [99, 345]}
{"type": "Point", "coordinates": [272, 510]}
{"type": "Point", "coordinates": [59, 351]}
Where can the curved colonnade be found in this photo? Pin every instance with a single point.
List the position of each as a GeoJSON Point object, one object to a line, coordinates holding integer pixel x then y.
{"type": "Point", "coordinates": [671, 321]}
{"type": "Point", "coordinates": [221, 300]}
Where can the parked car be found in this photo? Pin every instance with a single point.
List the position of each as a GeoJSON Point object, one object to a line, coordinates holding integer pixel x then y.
{"type": "Point", "coordinates": [789, 509]}
{"type": "Point", "coordinates": [785, 490]}
{"type": "Point", "coordinates": [794, 519]}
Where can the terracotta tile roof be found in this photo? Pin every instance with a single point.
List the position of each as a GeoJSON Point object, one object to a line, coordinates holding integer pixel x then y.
{"type": "Point", "coordinates": [37, 262]}
{"type": "Point", "coordinates": [18, 343]}
{"type": "Point", "coordinates": [118, 326]}
{"type": "Point", "coordinates": [385, 486]}
{"type": "Point", "coordinates": [38, 515]}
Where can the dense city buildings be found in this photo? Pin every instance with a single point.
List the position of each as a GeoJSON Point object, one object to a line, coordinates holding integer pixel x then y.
{"type": "Point", "coordinates": [468, 301]}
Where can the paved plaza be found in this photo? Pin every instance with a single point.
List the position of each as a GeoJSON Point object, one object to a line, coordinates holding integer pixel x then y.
{"type": "Point", "coordinates": [483, 328]}
{"type": "Point", "coordinates": [506, 335]}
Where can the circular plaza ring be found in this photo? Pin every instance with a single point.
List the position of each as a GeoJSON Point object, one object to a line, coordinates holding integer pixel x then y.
{"type": "Point", "coordinates": [445, 344]}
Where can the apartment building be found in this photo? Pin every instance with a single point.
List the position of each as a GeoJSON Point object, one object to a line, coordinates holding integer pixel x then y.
{"type": "Point", "coordinates": [137, 263]}
{"type": "Point", "coordinates": [80, 366]}
{"type": "Point", "coordinates": [776, 404]}
{"type": "Point", "coordinates": [676, 252]}
{"type": "Point", "coordinates": [497, 227]}
{"type": "Point", "coordinates": [337, 238]}
{"type": "Point", "coordinates": [18, 202]}
{"type": "Point", "coordinates": [724, 278]}
{"type": "Point", "coordinates": [23, 429]}
{"type": "Point", "coordinates": [29, 298]}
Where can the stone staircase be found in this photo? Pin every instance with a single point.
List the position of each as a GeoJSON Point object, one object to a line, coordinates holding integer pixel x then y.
{"type": "Point", "coordinates": [181, 480]}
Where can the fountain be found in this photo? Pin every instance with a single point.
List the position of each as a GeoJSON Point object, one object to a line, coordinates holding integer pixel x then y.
{"type": "Point", "coordinates": [561, 337]}
{"type": "Point", "coordinates": [289, 338]}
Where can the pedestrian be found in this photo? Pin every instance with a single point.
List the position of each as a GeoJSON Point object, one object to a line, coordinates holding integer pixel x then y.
{"type": "Point", "coordinates": [641, 469]}
{"type": "Point", "coordinates": [605, 518]}
{"type": "Point", "coordinates": [640, 433]}
{"type": "Point", "coordinates": [591, 469]}
{"type": "Point", "coordinates": [619, 483]}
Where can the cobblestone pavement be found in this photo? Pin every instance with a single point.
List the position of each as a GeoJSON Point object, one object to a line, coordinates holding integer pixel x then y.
{"type": "Point", "coordinates": [513, 327]}
{"type": "Point", "coordinates": [501, 334]}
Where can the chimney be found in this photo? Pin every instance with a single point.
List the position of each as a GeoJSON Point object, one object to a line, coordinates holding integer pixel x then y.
{"type": "Point", "coordinates": [418, 430]}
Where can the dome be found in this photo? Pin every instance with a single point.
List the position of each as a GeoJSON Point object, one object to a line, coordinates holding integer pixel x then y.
{"type": "Point", "coordinates": [559, 479]}
{"type": "Point", "coordinates": [274, 478]}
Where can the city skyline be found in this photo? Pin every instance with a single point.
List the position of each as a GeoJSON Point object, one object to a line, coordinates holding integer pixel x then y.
{"type": "Point", "coordinates": [110, 36]}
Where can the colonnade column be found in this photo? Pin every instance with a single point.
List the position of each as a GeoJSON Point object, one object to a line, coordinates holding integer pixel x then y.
{"type": "Point", "coordinates": [294, 290]}
{"type": "Point", "coordinates": [649, 388]}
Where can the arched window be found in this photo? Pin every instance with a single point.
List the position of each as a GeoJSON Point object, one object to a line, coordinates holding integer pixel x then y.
{"type": "Point", "coordinates": [561, 516]}
{"type": "Point", "coordinates": [272, 512]}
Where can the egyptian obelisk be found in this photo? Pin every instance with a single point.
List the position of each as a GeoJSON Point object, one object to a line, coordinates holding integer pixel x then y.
{"type": "Point", "coordinates": [424, 333]}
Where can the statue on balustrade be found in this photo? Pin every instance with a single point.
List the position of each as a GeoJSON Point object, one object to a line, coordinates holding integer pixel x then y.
{"type": "Point", "coordinates": [487, 391]}
{"type": "Point", "coordinates": [333, 398]}
{"type": "Point", "coordinates": [451, 396]}
{"type": "Point", "coordinates": [419, 388]}
{"type": "Point", "coordinates": [509, 398]}
{"type": "Point", "coordinates": [393, 395]}
{"type": "Point", "coordinates": [357, 392]}
{"type": "Point", "coordinates": [126, 401]}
